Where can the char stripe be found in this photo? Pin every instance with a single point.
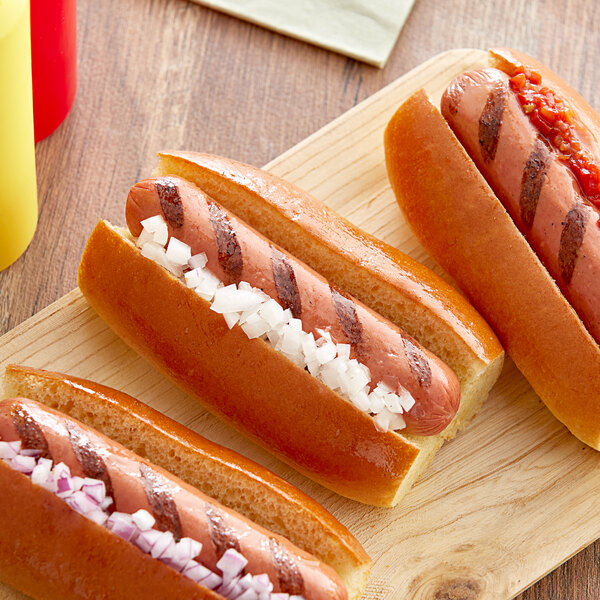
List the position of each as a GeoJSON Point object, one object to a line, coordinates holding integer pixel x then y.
{"type": "Point", "coordinates": [161, 502]}
{"type": "Point", "coordinates": [170, 201]}
{"type": "Point", "coordinates": [454, 94]}
{"type": "Point", "coordinates": [490, 122]}
{"type": "Point", "coordinates": [228, 247]}
{"type": "Point", "coordinates": [418, 363]}
{"type": "Point", "coordinates": [31, 435]}
{"type": "Point", "coordinates": [288, 573]}
{"type": "Point", "coordinates": [534, 175]}
{"type": "Point", "coordinates": [346, 312]}
{"type": "Point", "coordinates": [222, 536]}
{"type": "Point", "coordinates": [92, 464]}
{"type": "Point", "coordinates": [285, 282]}
{"type": "Point", "coordinates": [571, 238]}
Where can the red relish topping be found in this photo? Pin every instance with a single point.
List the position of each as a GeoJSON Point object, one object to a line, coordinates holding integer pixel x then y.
{"type": "Point", "coordinates": [556, 122]}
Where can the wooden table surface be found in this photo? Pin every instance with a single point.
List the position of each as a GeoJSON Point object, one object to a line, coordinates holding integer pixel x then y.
{"type": "Point", "coordinates": [159, 74]}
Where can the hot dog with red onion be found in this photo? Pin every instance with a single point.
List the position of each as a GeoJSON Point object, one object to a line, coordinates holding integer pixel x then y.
{"type": "Point", "coordinates": [160, 515]}
{"type": "Point", "coordinates": [528, 144]}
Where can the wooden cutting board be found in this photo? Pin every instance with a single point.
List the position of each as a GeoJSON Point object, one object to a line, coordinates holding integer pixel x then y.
{"type": "Point", "coordinates": [507, 501]}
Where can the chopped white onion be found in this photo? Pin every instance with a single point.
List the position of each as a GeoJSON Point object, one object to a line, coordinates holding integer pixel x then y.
{"type": "Point", "coordinates": [178, 253]}
{"type": "Point", "coordinates": [260, 316]}
{"type": "Point", "coordinates": [157, 226]}
{"type": "Point", "coordinates": [198, 261]}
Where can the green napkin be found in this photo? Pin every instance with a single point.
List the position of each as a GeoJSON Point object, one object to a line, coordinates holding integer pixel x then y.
{"type": "Point", "coordinates": [363, 29]}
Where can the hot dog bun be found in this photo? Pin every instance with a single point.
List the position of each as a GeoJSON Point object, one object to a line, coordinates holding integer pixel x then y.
{"type": "Point", "coordinates": [357, 461]}
{"type": "Point", "coordinates": [226, 476]}
{"type": "Point", "coordinates": [460, 221]}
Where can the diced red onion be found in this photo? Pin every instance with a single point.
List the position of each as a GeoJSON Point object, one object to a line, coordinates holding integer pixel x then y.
{"type": "Point", "coordinates": [23, 464]}
{"type": "Point", "coordinates": [198, 572]}
{"type": "Point", "coordinates": [61, 470]}
{"type": "Point", "coordinates": [94, 488]}
{"type": "Point", "coordinates": [81, 502]}
{"type": "Point", "coordinates": [122, 524]}
{"type": "Point", "coordinates": [163, 545]}
{"type": "Point", "coordinates": [8, 450]}
{"type": "Point", "coordinates": [30, 452]}
{"type": "Point", "coordinates": [143, 520]}
{"type": "Point", "coordinates": [64, 487]}
{"type": "Point", "coordinates": [262, 584]}
{"type": "Point", "coordinates": [98, 516]}
{"type": "Point", "coordinates": [42, 471]}
{"type": "Point", "coordinates": [232, 563]}
{"type": "Point", "coordinates": [146, 539]}
{"type": "Point", "coordinates": [248, 594]}
{"type": "Point", "coordinates": [228, 586]}
{"type": "Point", "coordinates": [106, 503]}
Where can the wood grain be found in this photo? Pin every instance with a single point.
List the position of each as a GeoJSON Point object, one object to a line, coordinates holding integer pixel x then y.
{"type": "Point", "coordinates": [167, 73]}
{"type": "Point", "coordinates": [501, 505]}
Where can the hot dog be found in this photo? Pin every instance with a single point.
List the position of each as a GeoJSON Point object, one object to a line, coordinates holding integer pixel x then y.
{"type": "Point", "coordinates": [533, 274]}
{"type": "Point", "coordinates": [236, 253]}
{"type": "Point", "coordinates": [352, 448]}
{"type": "Point", "coordinates": [175, 525]}
{"type": "Point", "coordinates": [536, 186]}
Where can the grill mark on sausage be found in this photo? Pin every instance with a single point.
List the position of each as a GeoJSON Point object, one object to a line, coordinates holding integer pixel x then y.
{"type": "Point", "coordinates": [92, 463]}
{"type": "Point", "coordinates": [534, 175]}
{"type": "Point", "coordinates": [228, 247]}
{"type": "Point", "coordinates": [418, 363]}
{"type": "Point", "coordinates": [346, 312]}
{"type": "Point", "coordinates": [490, 122]}
{"type": "Point", "coordinates": [170, 201]}
{"type": "Point", "coordinates": [222, 536]}
{"type": "Point", "coordinates": [285, 282]}
{"type": "Point", "coordinates": [161, 502]}
{"type": "Point", "coordinates": [288, 574]}
{"type": "Point", "coordinates": [571, 239]}
{"type": "Point", "coordinates": [454, 95]}
{"type": "Point", "coordinates": [31, 435]}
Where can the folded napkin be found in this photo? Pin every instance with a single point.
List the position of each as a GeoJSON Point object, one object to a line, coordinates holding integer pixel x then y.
{"type": "Point", "coordinates": [363, 29]}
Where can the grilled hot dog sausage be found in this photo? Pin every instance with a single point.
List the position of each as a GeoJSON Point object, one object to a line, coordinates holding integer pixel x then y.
{"type": "Point", "coordinates": [238, 253]}
{"type": "Point", "coordinates": [537, 187]}
{"type": "Point", "coordinates": [135, 484]}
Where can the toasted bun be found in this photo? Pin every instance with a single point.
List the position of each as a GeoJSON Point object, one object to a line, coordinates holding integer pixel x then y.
{"type": "Point", "coordinates": [45, 525]}
{"type": "Point", "coordinates": [219, 472]}
{"type": "Point", "coordinates": [262, 394]}
{"type": "Point", "coordinates": [385, 279]}
{"type": "Point", "coordinates": [459, 220]}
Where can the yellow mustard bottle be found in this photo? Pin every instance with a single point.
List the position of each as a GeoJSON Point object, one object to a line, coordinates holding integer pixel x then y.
{"type": "Point", "coordinates": [18, 190]}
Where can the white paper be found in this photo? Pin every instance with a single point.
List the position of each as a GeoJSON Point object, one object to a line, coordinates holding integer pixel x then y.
{"type": "Point", "coordinates": [363, 29]}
